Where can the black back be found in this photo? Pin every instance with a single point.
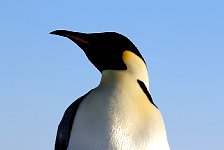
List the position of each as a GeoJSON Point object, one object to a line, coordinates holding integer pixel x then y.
{"type": "Point", "coordinates": [65, 126]}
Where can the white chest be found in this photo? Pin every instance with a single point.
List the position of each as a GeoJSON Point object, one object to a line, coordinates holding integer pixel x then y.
{"type": "Point", "coordinates": [118, 118]}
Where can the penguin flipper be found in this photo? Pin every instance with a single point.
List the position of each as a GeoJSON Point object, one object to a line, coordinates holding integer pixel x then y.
{"type": "Point", "coordinates": [65, 126]}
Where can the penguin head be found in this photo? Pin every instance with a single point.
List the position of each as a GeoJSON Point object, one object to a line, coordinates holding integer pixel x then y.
{"type": "Point", "coordinates": [106, 50]}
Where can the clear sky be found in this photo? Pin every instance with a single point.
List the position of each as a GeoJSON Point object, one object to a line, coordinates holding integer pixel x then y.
{"type": "Point", "coordinates": [41, 75]}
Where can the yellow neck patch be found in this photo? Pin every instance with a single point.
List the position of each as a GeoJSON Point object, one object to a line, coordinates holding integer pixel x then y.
{"type": "Point", "coordinates": [136, 67]}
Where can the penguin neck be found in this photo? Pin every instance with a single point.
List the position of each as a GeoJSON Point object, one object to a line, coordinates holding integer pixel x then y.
{"type": "Point", "coordinates": [136, 70]}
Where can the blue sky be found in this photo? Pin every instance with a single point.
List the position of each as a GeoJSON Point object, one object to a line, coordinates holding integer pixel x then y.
{"type": "Point", "coordinates": [40, 74]}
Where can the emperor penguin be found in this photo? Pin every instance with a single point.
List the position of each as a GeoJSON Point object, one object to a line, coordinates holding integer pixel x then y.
{"type": "Point", "coordinates": [119, 114]}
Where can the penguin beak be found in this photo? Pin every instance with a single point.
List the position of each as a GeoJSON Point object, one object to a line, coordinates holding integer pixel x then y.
{"type": "Point", "coordinates": [86, 42]}
{"type": "Point", "coordinates": [77, 37]}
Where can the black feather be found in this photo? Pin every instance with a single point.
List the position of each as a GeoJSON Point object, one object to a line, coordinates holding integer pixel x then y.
{"type": "Point", "coordinates": [143, 87]}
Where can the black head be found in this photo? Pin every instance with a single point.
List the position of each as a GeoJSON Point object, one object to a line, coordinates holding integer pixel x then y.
{"type": "Point", "coordinates": [104, 50]}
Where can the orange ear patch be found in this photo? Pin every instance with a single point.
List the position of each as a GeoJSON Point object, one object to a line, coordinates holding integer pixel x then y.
{"type": "Point", "coordinates": [126, 56]}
